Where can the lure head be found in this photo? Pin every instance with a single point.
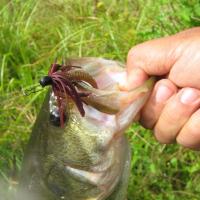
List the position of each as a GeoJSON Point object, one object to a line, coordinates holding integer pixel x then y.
{"type": "Point", "coordinates": [46, 80]}
{"type": "Point", "coordinates": [64, 80]}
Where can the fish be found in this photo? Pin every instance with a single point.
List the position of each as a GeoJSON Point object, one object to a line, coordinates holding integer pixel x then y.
{"type": "Point", "coordinates": [89, 157]}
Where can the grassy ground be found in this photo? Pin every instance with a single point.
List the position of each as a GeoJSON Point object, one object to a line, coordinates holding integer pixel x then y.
{"type": "Point", "coordinates": [33, 33]}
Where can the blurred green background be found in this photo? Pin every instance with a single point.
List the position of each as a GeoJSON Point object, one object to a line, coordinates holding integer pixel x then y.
{"type": "Point", "coordinates": [34, 32]}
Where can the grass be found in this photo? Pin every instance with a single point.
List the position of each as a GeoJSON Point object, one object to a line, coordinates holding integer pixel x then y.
{"type": "Point", "coordinates": [31, 37]}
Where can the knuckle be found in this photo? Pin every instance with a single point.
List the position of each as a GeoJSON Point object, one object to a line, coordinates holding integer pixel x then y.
{"type": "Point", "coordinates": [175, 112]}
{"type": "Point", "coordinates": [135, 56]}
{"type": "Point", "coordinates": [134, 51]}
{"type": "Point", "coordinates": [167, 83]}
{"type": "Point", "coordinates": [189, 136]}
{"type": "Point", "coordinates": [195, 145]}
{"type": "Point", "coordinates": [194, 128]}
{"type": "Point", "coordinates": [162, 137]}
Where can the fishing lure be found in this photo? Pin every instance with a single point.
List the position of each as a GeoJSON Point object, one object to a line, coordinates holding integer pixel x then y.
{"type": "Point", "coordinates": [64, 80]}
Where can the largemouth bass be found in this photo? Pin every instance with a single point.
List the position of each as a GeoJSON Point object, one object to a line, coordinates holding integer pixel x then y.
{"type": "Point", "coordinates": [88, 158]}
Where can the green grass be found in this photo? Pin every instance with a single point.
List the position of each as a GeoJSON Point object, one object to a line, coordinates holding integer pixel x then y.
{"type": "Point", "coordinates": [31, 37]}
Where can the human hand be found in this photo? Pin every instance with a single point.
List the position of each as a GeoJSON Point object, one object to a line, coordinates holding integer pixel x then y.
{"type": "Point", "coordinates": [172, 110]}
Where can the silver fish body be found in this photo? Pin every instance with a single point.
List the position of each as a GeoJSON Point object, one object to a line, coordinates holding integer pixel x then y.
{"type": "Point", "coordinates": [88, 159]}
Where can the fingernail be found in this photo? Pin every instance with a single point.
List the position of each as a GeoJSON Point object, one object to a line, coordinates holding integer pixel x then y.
{"type": "Point", "coordinates": [163, 93]}
{"type": "Point", "coordinates": [188, 96]}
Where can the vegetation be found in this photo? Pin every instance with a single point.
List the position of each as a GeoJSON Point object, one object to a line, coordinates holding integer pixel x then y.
{"type": "Point", "coordinates": [34, 32]}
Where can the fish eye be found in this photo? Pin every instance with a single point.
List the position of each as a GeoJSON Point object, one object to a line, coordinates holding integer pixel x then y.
{"type": "Point", "coordinates": [55, 118]}
{"type": "Point", "coordinates": [46, 80]}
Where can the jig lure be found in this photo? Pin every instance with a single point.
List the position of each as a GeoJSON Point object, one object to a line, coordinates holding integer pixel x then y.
{"type": "Point", "coordinates": [64, 80]}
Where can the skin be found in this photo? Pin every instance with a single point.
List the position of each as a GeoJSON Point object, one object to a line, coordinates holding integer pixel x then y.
{"type": "Point", "coordinates": [172, 111]}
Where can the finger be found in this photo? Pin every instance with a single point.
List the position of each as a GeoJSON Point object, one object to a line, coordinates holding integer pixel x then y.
{"type": "Point", "coordinates": [189, 135]}
{"type": "Point", "coordinates": [137, 117]}
{"type": "Point", "coordinates": [157, 56]}
{"type": "Point", "coordinates": [189, 32]}
{"type": "Point", "coordinates": [135, 78]}
{"type": "Point", "coordinates": [175, 114]}
{"type": "Point", "coordinates": [185, 72]}
{"type": "Point", "coordinates": [167, 55]}
{"type": "Point", "coordinates": [162, 91]}
{"type": "Point", "coordinates": [154, 57]}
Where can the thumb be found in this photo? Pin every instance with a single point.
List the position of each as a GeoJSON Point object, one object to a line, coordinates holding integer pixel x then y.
{"type": "Point", "coordinates": [155, 57]}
